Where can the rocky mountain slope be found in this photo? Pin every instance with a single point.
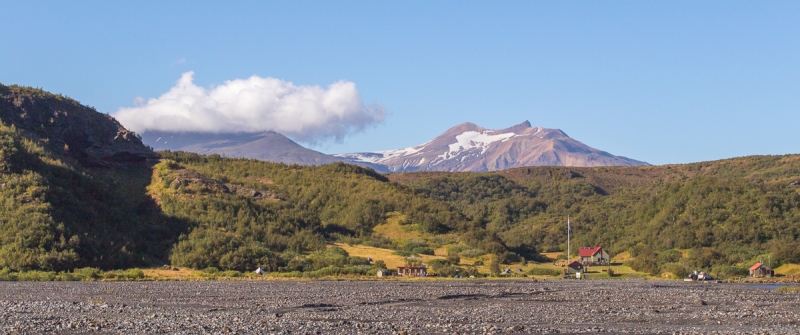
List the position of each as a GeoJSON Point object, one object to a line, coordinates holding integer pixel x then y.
{"type": "Point", "coordinates": [469, 147]}
{"type": "Point", "coordinates": [68, 129]}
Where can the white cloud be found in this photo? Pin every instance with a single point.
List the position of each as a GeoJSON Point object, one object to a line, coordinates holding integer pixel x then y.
{"type": "Point", "coordinates": [305, 113]}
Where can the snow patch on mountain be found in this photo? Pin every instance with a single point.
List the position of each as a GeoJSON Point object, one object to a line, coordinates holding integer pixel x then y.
{"type": "Point", "coordinates": [401, 152]}
{"type": "Point", "coordinates": [474, 139]}
{"type": "Point", "coordinates": [378, 156]}
{"type": "Point", "coordinates": [366, 157]}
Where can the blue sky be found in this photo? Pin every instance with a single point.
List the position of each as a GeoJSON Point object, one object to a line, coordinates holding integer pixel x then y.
{"type": "Point", "coordinates": [663, 82]}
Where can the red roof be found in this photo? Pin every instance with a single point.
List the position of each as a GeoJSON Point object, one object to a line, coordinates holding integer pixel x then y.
{"type": "Point", "coordinates": [574, 262]}
{"type": "Point", "coordinates": [589, 251]}
{"type": "Point", "coordinates": [756, 266]}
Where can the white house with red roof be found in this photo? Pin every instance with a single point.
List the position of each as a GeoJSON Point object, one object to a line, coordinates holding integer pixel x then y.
{"type": "Point", "coordinates": [593, 255]}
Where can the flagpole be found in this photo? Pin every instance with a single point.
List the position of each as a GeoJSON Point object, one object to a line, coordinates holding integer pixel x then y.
{"type": "Point", "coordinates": [569, 230]}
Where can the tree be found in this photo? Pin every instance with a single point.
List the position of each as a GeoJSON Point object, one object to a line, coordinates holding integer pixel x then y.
{"type": "Point", "coordinates": [453, 258]}
{"type": "Point", "coordinates": [494, 266]}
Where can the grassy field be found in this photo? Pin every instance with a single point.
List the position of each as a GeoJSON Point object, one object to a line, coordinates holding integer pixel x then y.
{"type": "Point", "coordinates": [180, 274]}
{"type": "Point", "coordinates": [788, 270]}
{"type": "Point", "coordinates": [392, 261]}
{"type": "Point", "coordinates": [553, 255]}
{"type": "Point", "coordinates": [621, 257]}
{"type": "Point", "coordinates": [400, 233]}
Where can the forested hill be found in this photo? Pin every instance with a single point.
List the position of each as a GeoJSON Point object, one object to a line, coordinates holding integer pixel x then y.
{"type": "Point", "coordinates": [79, 190]}
{"type": "Point", "coordinates": [73, 188]}
{"type": "Point", "coordinates": [725, 212]}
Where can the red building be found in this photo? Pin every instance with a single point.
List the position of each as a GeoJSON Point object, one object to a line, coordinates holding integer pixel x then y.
{"type": "Point", "coordinates": [761, 270]}
{"type": "Point", "coordinates": [416, 271]}
{"type": "Point", "coordinates": [593, 255]}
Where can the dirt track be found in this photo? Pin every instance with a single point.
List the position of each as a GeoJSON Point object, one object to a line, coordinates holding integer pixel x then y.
{"type": "Point", "coordinates": [392, 307]}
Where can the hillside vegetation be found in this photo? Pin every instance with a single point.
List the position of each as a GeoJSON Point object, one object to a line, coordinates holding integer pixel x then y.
{"type": "Point", "coordinates": [724, 212]}
{"type": "Point", "coordinates": [78, 190]}
{"type": "Point", "coordinates": [72, 186]}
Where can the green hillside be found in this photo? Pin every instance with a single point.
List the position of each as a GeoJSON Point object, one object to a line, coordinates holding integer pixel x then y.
{"type": "Point", "coordinates": [242, 208]}
{"type": "Point", "coordinates": [73, 188]}
{"type": "Point", "coordinates": [724, 212]}
{"type": "Point", "coordinates": [78, 190]}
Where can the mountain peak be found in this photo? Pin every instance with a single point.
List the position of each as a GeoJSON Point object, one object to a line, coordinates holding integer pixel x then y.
{"type": "Point", "coordinates": [464, 127]}
{"type": "Point", "coordinates": [469, 147]}
{"type": "Point", "coordinates": [518, 128]}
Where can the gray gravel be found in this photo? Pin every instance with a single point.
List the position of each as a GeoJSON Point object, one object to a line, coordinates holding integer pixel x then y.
{"type": "Point", "coordinates": [396, 307]}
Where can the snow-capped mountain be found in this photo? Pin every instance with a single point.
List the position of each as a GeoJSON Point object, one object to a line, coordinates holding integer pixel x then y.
{"type": "Point", "coordinates": [468, 147]}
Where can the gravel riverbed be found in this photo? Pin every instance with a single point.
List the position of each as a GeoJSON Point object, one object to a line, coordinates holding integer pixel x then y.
{"type": "Point", "coordinates": [396, 307]}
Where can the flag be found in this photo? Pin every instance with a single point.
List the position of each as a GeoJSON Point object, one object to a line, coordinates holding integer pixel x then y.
{"type": "Point", "coordinates": [569, 227]}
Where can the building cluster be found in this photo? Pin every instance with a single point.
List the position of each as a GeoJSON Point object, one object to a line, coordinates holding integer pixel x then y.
{"type": "Point", "coordinates": [587, 256]}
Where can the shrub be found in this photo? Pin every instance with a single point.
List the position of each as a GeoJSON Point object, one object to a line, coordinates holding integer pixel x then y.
{"type": "Point", "coordinates": [509, 258]}
{"type": "Point", "coordinates": [134, 274]}
{"type": "Point", "coordinates": [703, 257]}
{"type": "Point", "coordinates": [335, 271]}
{"type": "Point", "coordinates": [403, 253]}
{"type": "Point", "coordinates": [457, 249]}
{"type": "Point", "coordinates": [379, 241]}
{"type": "Point", "coordinates": [66, 276]}
{"type": "Point", "coordinates": [450, 271]}
{"type": "Point", "coordinates": [330, 257]}
{"type": "Point", "coordinates": [471, 271]}
{"type": "Point", "coordinates": [785, 252]}
{"type": "Point", "coordinates": [36, 276]}
{"type": "Point", "coordinates": [729, 271]}
{"type": "Point", "coordinates": [677, 269]}
{"type": "Point", "coordinates": [416, 247]}
{"type": "Point", "coordinates": [357, 260]}
{"type": "Point", "coordinates": [437, 263]}
{"type": "Point", "coordinates": [453, 258]}
{"type": "Point", "coordinates": [423, 251]}
{"type": "Point", "coordinates": [494, 266]}
{"type": "Point", "coordinates": [296, 263]}
{"type": "Point", "coordinates": [472, 253]}
{"type": "Point", "coordinates": [248, 257]}
{"type": "Point", "coordinates": [87, 273]}
{"type": "Point", "coordinates": [669, 256]}
{"type": "Point", "coordinates": [231, 273]}
{"type": "Point", "coordinates": [542, 271]}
